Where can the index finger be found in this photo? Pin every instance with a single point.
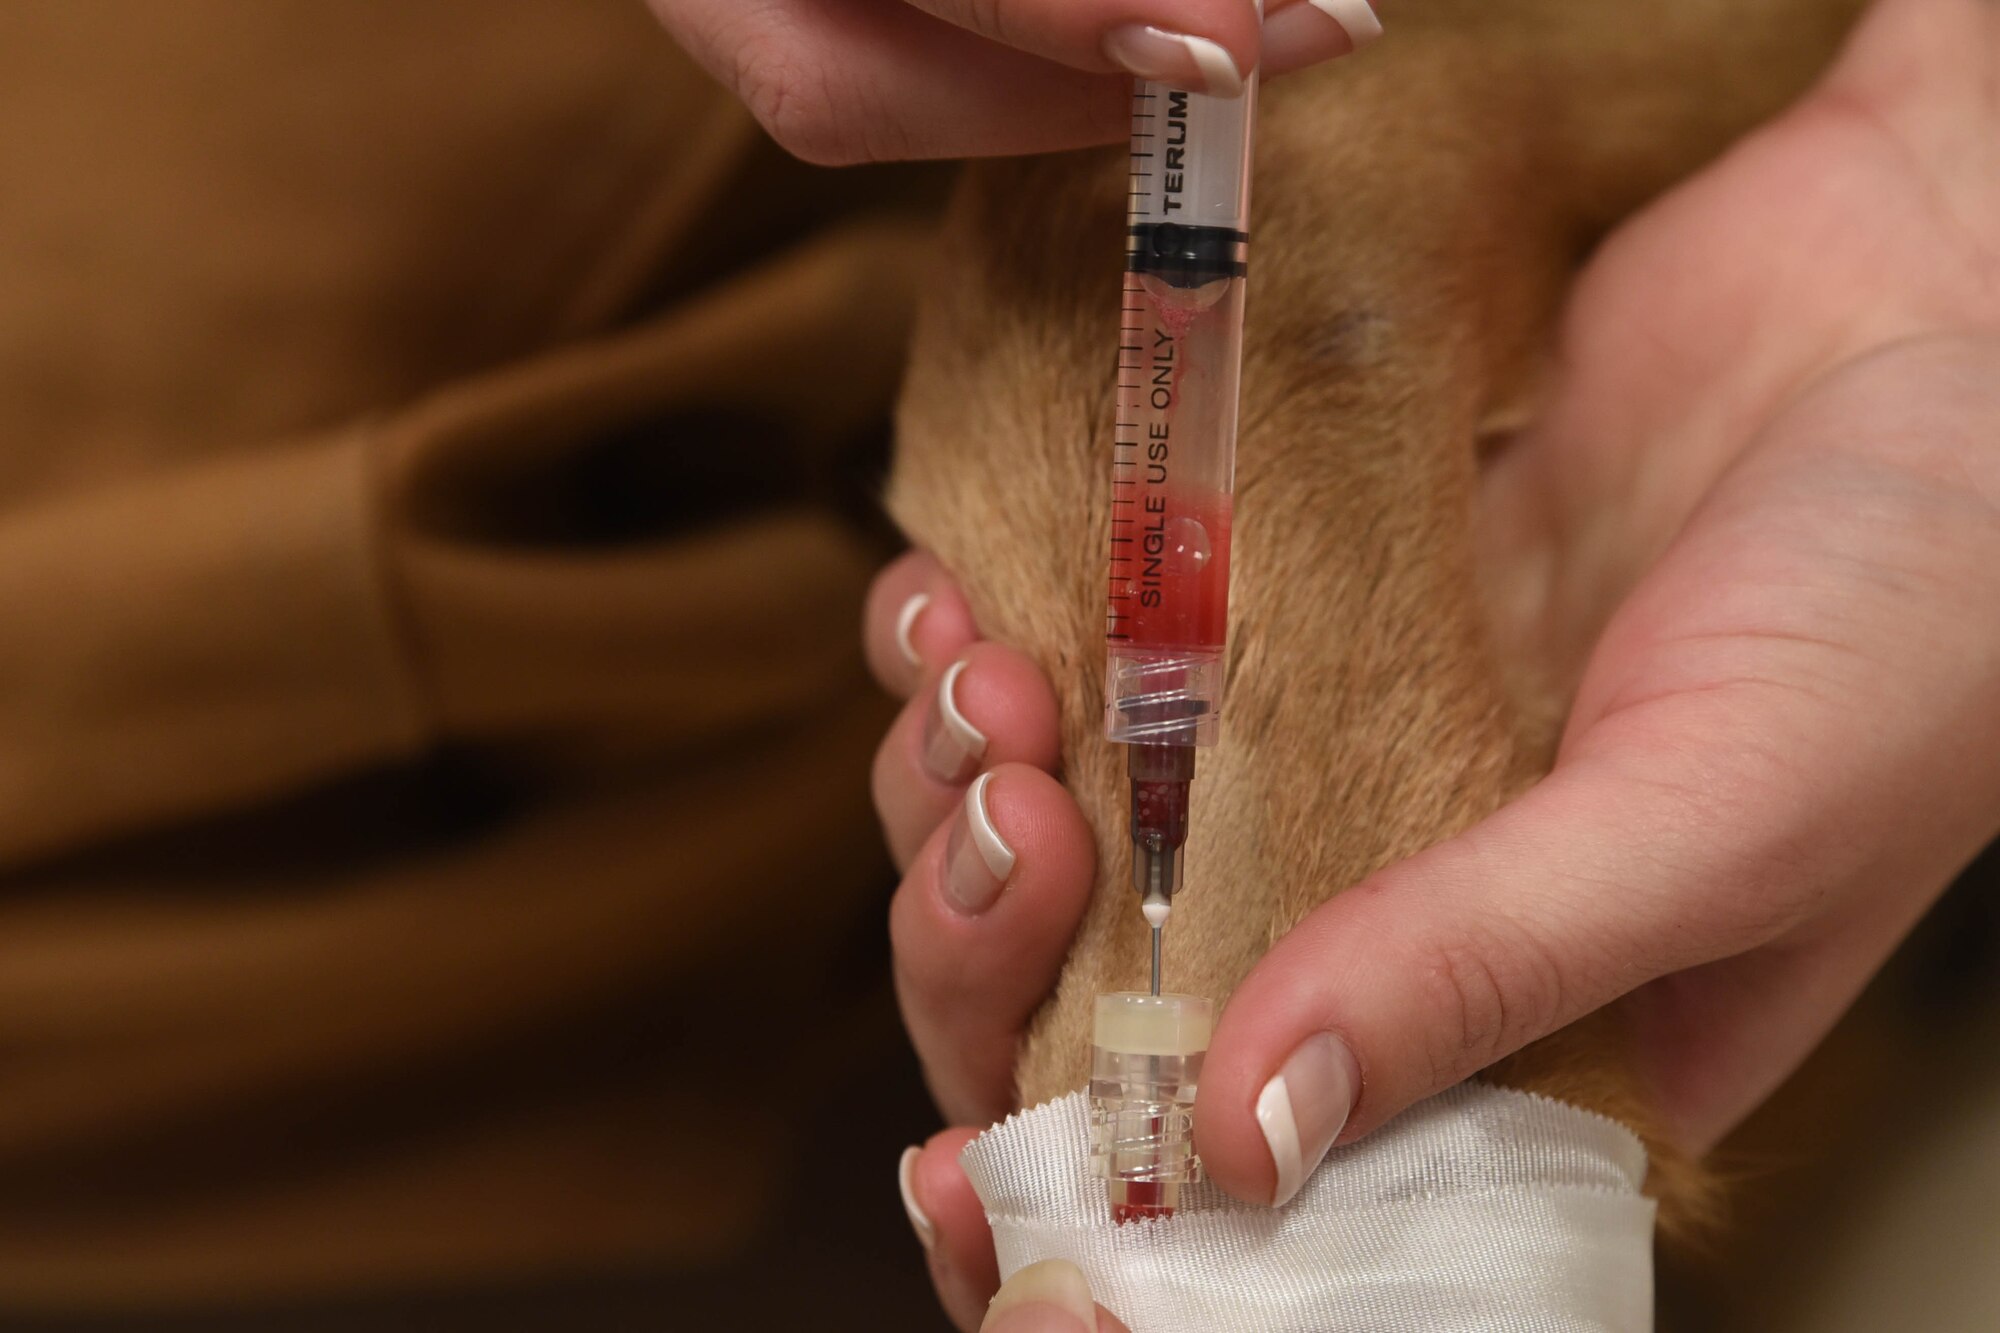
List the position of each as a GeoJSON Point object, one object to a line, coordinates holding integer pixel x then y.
{"type": "Point", "coordinates": [1201, 45]}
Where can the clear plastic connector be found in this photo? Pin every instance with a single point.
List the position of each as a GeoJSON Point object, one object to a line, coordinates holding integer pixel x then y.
{"type": "Point", "coordinates": [1143, 1073]}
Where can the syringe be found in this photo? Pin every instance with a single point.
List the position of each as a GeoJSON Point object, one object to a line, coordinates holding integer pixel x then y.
{"type": "Point", "coordinates": [1173, 466]}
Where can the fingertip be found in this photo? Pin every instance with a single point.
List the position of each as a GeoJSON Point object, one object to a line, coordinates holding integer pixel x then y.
{"type": "Point", "coordinates": [980, 939]}
{"type": "Point", "coordinates": [1310, 32]}
{"type": "Point", "coordinates": [1280, 1083]}
{"type": "Point", "coordinates": [906, 623]}
{"type": "Point", "coordinates": [1051, 1296]}
{"type": "Point", "coordinates": [962, 1260]}
{"type": "Point", "coordinates": [941, 1186]}
{"type": "Point", "coordinates": [1005, 945]}
{"type": "Point", "coordinates": [944, 630]}
{"type": "Point", "coordinates": [1234, 1154]}
{"type": "Point", "coordinates": [913, 1207]}
{"type": "Point", "coordinates": [988, 707]}
{"type": "Point", "coordinates": [1018, 949]}
{"type": "Point", "coordinates": [1007, 698]}
{"type": "Point", "coordinates": [1178, 41]}
{"type": "Point", "coordinates": [914, 622]}
{"type": "Point", "coordinates": [1038, 818]}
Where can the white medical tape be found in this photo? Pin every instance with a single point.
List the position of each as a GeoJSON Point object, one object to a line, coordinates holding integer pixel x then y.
{"type": "Point", "coordinates": [1482, 1210]}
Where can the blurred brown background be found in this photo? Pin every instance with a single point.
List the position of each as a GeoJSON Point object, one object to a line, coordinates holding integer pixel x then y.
{"type": "Point", "coordinates": [437, 888]}
{"type": "Point", "coordinates": [434, 842]}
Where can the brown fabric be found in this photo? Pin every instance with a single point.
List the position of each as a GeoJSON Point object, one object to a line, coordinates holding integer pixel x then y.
{"type": "Point", "coordinates": [432, 737]}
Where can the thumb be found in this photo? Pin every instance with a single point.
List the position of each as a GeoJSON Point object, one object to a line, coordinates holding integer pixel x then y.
{"type": "Point", "coordinates": [1049, 1297]}
{"type": "Point", "coordinates": [1637, 857]}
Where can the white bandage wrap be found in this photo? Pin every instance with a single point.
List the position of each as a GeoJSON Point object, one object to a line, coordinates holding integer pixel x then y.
{"type": "Point", "coordinates": [1483, 1210]}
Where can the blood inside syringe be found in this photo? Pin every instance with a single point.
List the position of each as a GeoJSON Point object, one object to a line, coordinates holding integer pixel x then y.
{"type": "Point", "coordinates": [1177, 584]}
{"type": "Point", "coordinates": [1171, 479]}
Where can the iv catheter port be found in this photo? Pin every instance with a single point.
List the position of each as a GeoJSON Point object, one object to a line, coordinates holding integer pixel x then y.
{"type": "Point", "coordinates": [1143, 1073]}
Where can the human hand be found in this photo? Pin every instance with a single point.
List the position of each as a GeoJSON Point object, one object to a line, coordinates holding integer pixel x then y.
{"type": "Point", "coordinates": [1048, 1297]}
{"type": "Point", "coordinates": [965, 788]}
{"type": "Point", "coordinates": [1757, 524]}
{"type": "Point", "coordinates": [843, 81]}
{"type": "Point", "coordinates": [1767, 490]}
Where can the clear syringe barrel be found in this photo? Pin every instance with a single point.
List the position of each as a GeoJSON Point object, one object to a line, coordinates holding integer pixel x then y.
{"type": "Point", "coordinates": [1174, 447]}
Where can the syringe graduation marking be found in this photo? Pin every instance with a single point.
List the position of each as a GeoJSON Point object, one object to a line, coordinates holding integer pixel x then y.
{"type": "Point", "coordinates": [1168, 556]}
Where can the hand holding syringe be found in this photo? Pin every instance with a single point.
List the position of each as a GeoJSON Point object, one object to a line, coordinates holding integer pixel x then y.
{"type": "Point", "coordinates": [840, 83]}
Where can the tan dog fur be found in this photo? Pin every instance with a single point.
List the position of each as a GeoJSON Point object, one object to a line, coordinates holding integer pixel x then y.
{"type": "Point", "coordinates": [1418, 213]}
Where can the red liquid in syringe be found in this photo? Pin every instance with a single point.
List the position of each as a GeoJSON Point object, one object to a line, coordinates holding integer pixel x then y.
{"type": "Point", "coordinates": [1175, 591]}
{"type": "Point", "coordinates": [1172, 466]}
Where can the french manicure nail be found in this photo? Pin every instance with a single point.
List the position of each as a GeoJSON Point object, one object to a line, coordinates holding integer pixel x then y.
{"type": "Point", "coordinates": [1304, 1106]}
{"type": "Point", "coordinates": [1362, 24]}
{"type": "Point", "coordinates": [906, 620]}
{"type": "Point", "coordinates": [977, 860]}
{"type": "Point", "coordinates": [1315, 30]}
{"type": "Point", "coordinates": [1177, 58]}
{"type": "Point", "coordinates": [926, 1233]}
{"type": "Point", "coordinates": [1040, 1296]}
{"type": "Point", "coordinates": [953, 747]}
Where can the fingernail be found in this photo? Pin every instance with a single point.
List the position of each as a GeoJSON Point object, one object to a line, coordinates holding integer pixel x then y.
{"type": "Point", "coordinates": [1302, 1109]}
{"type": "Point", "coordinates": [1315, 30]}
{"type": "Point", "coordinates": [1357, 17]}
{"type": "Point", "coordinates": [952, 745]}
{"type": "Point", "coordinates": [926, 1233]}
{"type": "Point", "coordinates": [1049, 1297]}
{"type": "Point", "coordinates": [1194, 63]}
{"type": "Point", "coordinates": [906, 620]}
{"type": "Point", "coordinates": [977, 860]}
